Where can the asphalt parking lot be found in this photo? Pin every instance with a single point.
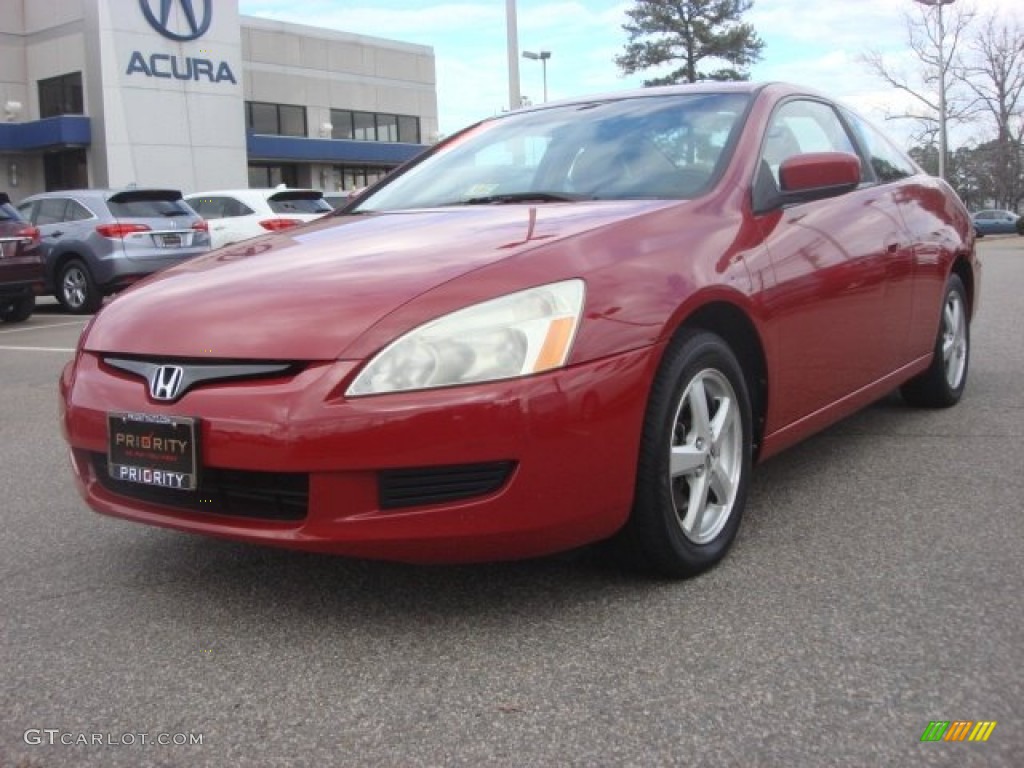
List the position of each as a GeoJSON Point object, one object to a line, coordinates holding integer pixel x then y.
{"type": "Point", "coordinates": [876, 586]}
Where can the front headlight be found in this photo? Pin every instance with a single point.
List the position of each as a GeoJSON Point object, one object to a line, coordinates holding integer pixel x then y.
{"type": "Point", "coordinates": [514, 335]}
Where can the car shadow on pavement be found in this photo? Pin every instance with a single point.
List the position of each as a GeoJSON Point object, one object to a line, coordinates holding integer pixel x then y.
{"type": "Point", "coordinates": [235, 576]}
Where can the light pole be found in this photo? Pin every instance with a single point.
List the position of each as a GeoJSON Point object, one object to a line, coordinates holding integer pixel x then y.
{"type": "Point", "coordinates": [542, 57]}
{"type": "Point", "coordinates": [937, 4]}
{"type": "Point", "coordinates": [514, 99]}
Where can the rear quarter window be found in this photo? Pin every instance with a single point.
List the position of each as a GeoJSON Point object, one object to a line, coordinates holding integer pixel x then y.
{"type": "Point", "coordinates": [888, 163]}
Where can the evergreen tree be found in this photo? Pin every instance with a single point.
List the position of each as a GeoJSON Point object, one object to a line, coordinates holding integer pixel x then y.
{"type": "Point", "coordinates": [687, 34]}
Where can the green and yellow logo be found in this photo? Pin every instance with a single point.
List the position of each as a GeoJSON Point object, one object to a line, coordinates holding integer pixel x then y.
{"type": "Point", "coordinates": [958, 730]}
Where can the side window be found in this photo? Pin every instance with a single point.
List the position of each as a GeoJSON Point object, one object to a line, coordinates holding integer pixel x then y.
{"type": "Point", "coordinates": [207, 207]}
{"type": "Point", "coordinates": [25, 209]}
{"type": "Point", "coordinates": [798, 127]}
{"type": "Point", "coordinates": [888, 163]}
{"type": "Point", "coordinates": [77, 212]}
{"type": "Point", "coordinates": [50, 211]}
{"type": "Point", "coordinates": [801, 127]}
{"type": "Point", "coordinates": [235, 207]}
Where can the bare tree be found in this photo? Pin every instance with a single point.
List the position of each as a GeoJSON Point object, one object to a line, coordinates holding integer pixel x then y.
{"type": "Point", "coordinates": [935, 38]}
{"type": "Point", "coordinates": [993, 71]}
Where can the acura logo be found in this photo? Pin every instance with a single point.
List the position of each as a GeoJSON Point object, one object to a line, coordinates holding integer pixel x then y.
{"type": "Point", "coordinates": [158, 14]}
{"type": "Point", "coordinates": [165, 383]}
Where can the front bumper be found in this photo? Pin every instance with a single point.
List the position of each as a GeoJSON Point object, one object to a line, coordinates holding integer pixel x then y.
{"type": "Point", "coordinates": [565, 446]}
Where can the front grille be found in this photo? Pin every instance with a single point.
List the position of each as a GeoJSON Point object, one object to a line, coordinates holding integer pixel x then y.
{"type": "Point", "coordinates": [238, 493]}
{"type": "Point", "coordinates": [434, 485]}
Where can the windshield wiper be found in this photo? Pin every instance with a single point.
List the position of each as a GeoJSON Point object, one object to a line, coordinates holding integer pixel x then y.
{"type": "Point", "coordinates": [524, 197]}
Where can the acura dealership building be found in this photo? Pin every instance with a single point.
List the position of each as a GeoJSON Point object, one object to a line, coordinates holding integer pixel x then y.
{"type": "Point", "coordinates": [191, 95]}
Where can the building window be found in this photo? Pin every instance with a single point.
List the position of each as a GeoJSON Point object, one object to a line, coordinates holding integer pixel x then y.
{"type": "Point", "coordinates": [261, 176]}
{"type": "Point", "coordinates": [365, 126]}
{"type": "Point", "coordinates": [371, 126]}
{"type": "Point", "coordinates": [61, 95]}
{"type": "Point", "coordinates": [408, 129]}
{"type": "Point", "coordinates": [275, 119]}
{"type": "Point", "coordinates": [65, 170]}
{"type": "Point", "coordinates": [341, 124]}
{"type": "Point", "coordinates": [359, 176]}
{"type": "Point", "coordinates": [387, 127]}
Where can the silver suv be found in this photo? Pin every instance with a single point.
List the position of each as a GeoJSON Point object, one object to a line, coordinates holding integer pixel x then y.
{"type": "Point", "coordinates": [97, 242]}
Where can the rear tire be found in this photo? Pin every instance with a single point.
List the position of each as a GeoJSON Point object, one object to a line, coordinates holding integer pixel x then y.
{"type": "Point", "coordinates": [19, 310]}
{"type": "Point", "coordinates": [942, 385]}
{"type": "Point", "coordinates": [695, 460]}
{"type": "Point", "coordinates": [76, 290]}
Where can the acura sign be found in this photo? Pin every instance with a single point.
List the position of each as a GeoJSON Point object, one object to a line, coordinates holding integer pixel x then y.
{"type": "Point", "coordinates": [192, 22]}
{"type": "Point", "coordinates": [181, 21]}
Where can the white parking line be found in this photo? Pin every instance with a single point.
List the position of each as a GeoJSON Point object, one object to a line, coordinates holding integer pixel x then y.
{"type": "Point", "coordinates": [43, 327]}
{"type": "Point", "coordinates": [37, 349]}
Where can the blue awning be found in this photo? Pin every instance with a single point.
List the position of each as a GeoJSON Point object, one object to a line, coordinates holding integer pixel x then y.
{"type": "Point", "coordinates": [298, 149]}
{"type": "Point", "coordinates": [49, 133]}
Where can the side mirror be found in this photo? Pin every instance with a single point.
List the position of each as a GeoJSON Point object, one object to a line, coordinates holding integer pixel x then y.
{"type": "Point", "coordinates": [803, 178]}
{"type": "Point", "coordinates": [818, 175]}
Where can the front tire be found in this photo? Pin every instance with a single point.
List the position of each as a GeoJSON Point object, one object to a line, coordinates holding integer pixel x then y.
{"type": "Point", "coordinates": [942, 385]}
{"type": "Point", "coordinates": [76, 290]}
{"type": "Point", "coordinates": [695, 460]}
{"type": "Point", "coordinates": [19, 310]}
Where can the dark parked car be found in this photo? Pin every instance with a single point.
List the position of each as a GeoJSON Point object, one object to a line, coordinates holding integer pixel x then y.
{"type": "Point", "coordinates": [996, 222]}
{"type": "Point", "coordinates": [97, 242]}
{"type": "Point", "coordinates": [583, 321]}
{"type": "Point", "coordinates": [21, 264]}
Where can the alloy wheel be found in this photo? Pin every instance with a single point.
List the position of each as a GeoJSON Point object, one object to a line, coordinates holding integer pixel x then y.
{"type": "Point", "coordinates": [74, 287]}
{"type": "Point", "coordinates": [705, 462]}
{"type": "Point", "coordinates": [954, 339]}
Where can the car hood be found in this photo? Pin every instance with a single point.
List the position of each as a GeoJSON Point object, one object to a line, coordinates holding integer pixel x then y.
{"type": "Point", "coordinates": [308, 293]}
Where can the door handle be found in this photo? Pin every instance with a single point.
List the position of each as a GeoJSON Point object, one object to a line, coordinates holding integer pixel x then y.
{"type": "Point", "coordinates": [55, 233]}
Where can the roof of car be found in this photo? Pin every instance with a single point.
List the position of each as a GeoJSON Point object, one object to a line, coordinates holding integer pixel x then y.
{"type": "Point", "coordinates": [710, 86]}
{"type": "Point", "coordinates": [104, 193]}
{"type": "Point", "coordinates": [256, 191]}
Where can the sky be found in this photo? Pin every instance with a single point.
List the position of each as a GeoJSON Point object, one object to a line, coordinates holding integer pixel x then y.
{"type": "Point", "coordinates": [814, 43]}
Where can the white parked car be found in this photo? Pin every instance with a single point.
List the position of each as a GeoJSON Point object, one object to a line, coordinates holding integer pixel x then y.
{"type": "Point", "coordinates": [238, 214]}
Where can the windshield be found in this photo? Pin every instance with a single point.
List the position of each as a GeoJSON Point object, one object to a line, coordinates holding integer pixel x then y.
{"type": "Point", "coordinates": [148, 208]}
{"type": "Point", "coordinates": [665, 146]}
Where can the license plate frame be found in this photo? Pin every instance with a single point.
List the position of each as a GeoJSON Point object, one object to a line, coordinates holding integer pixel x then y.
{"type": "Point", "coordinates": [153, 450]}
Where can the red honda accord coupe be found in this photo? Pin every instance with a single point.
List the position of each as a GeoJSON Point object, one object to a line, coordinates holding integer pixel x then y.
{"type": "Point", "coordinates": [578, 322]}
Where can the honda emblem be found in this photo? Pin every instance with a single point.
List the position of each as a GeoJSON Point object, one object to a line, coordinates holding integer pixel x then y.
{"type": "Point", "coordinates": [166, 381]}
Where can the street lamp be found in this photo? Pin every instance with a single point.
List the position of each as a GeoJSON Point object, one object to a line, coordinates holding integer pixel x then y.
{"type": "Point", "coordinates": [937, 4]}
{"type": "Point", "coordinates": [512, 29]}
{"type": "Point", "coordinates": [542, 57]}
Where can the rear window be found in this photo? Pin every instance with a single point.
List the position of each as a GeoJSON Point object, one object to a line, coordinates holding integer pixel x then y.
{"type": "Point", "coordinates": [148, 209]}
{"type": "Point", "coordinates": [292, 202]}
{"type": "Point", "coordinates": [8, 213]}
